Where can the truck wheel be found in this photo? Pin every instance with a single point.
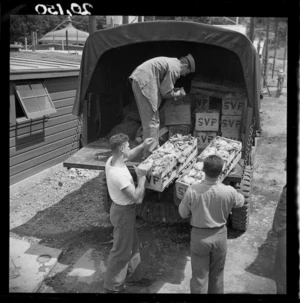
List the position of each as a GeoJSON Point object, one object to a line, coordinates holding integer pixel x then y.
{"type": "Point", "coordinates": [240, 216]}
{"type": "Point", "coordinates": [159, 207]}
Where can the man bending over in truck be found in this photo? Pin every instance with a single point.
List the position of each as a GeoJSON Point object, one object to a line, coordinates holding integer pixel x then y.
{"type": "Point", "coordinates": [153, 81]}
{"type": "Point", "coordinates": [124, 257]}
{"type": "Point", "coordinates": [209, 204]}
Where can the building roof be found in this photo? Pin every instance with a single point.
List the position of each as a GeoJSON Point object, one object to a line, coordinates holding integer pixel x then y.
{"type": "Point", "coordinates": [34, 62]}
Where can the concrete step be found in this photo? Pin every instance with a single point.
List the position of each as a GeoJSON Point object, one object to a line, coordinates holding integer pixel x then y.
{"type": "Point", "coordinates": [29, 265]}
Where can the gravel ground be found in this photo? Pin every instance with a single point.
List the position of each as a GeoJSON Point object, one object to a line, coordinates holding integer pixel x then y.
{"type": "Point", "coordinates": [66, 211]}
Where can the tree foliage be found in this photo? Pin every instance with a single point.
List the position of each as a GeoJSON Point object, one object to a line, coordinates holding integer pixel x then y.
{"type": "Point", "coordinates": [21, 26]}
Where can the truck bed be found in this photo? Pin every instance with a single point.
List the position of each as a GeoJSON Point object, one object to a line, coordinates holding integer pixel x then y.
{"type": "Point", "coordinates": [94, 156]}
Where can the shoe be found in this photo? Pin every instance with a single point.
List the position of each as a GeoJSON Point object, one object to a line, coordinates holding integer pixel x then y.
{"type": "Point", "coordinates": [140, 282]}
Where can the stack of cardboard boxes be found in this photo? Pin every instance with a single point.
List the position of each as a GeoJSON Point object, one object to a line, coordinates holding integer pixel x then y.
{"type": "Point", "coordinates": [233, 105]}
{"type": "Point", "coordinates": [207, 112]}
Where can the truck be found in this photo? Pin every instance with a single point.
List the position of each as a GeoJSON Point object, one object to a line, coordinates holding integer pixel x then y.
{"type": "Point", "coordinates": [226, 63]}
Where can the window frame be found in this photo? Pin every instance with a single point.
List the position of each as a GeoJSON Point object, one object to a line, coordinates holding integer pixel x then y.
{"type": "Point", "coordinates": [36, 114]}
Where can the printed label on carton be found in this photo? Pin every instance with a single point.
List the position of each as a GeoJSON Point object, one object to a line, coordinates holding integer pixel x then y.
{"type": "Point", "coordinates": [231, 124]}
{"type": "Point", "coordinates": [204, 138]}
{"type": "Point", "coordinates": [207, 121]}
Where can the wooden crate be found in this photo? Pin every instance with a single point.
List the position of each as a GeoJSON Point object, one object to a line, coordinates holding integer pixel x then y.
{"type": "Point", "coordinates": [181, 187]}
{"type": "Point", "coordinates": [207, 121]}
{"type": "Point", "coordinates": [204, 138]}
{"type": "Point", "coordinates": [231, 124]}
{"type": "Point", "coordinates": [179, 129]}
{"type": "Point", "coordinates": [159, 183]}
{"type": "Point", "coordinates": [178, 162]}
{"type": "Point", "coordinates": [212, 143]}
{"type": "Point", "coordinates": [234, 158]}
{"type": "Point", "coordinates": [232, 136]}
{"type": "Point", "coordinates": [177, 112]}
{"type": "Point", "coordinates": [234, 104]}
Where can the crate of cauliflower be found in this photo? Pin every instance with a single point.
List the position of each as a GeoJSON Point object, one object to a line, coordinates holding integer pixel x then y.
{"type": "Point", "coordinates": [229, 150]}
{"type": "Point", "coordinates": [168, 161]}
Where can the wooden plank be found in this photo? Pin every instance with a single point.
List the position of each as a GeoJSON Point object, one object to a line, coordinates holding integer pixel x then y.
{"type": "Point", "coordinates": [47, 132]}
{"type": "Point", "coordinates": [89, 157]}
{"type": "Point", "coordinates": [37, 169]}
{"type": "Point", "coordinates": [62, 103]}
{"type": "Point", "coordinates": [29, 127]}
{"type": "Point", "coordinates": [43, 74]}
{"type": "Point", "coordinates": [55, 85]}
{"type": "Point", "coordinates": [31, 147]}
{"type": "Point", "coordinates": [64, 148]}
{"type": "Point", "coordinates": [63, 94]}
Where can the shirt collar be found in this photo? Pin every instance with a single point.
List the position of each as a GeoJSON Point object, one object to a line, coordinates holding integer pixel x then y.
{"type": "Point", "coordinates": [208, 182]}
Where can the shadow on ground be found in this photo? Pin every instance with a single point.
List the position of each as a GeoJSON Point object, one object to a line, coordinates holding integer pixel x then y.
{"type": "Point", "coordinates": [78, 226]}
{"type": "Point", "coordinates": [263, 265]}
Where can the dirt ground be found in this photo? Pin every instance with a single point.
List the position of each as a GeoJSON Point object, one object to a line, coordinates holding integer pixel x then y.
{"type": "Point", "coordinates": [66, 211]}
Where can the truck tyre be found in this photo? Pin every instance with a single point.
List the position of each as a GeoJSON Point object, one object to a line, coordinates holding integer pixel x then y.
{"type": "Point", "coordinates": [240, 216]}
{"type": "Point", "coordinates": [159, 207]}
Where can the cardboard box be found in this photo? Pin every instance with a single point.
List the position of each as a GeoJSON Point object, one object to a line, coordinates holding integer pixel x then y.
{"type": "Point", "coordinates": [233, 104]}
{"type": "Point", "coordinates": [231, 124]}
{"type": "Point", "coordinates": [177, 112]}
{"type": "Point", "coordinates": [207, 121]}
{"type": "Point", "coordinates": [202, 102]}
{"type": "Point", "coordinates": [179, 129]}
{"type": "Point", "coordinates": [204, 138]}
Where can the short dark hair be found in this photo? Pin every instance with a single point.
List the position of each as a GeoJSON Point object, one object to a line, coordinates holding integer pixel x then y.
{"type": "Point", "coordinates": [117, 141]}
{"type": "Point", "coordinates": [213, 166]}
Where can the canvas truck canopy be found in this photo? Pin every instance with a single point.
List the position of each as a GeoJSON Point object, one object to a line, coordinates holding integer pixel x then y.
{"type": "Point", "coordinates": [110, 55]}
{"type": "Point", "coordinates": [219, 54]}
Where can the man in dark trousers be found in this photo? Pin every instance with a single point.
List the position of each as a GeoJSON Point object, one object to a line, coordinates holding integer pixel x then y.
{"type": "Point", "coordinates": [209, 204]}
{"type": "Point", "coordinates": [153, 81]}
{"type": "Point", "coordinates": [124, 257]}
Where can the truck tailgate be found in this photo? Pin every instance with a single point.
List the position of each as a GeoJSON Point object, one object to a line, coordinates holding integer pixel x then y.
{"type": "Point", "coordinates": [94, 156]}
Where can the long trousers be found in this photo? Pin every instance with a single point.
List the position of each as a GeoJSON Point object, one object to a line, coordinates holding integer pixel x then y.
{"type": "Point", "coordinates": [150, 119]}
{"type": "Point", "coordinates": [124, 257]}
{"type": "Point", "coordinates": [208, 254]}
{"type": "Point", "coordinates": [280, 265]}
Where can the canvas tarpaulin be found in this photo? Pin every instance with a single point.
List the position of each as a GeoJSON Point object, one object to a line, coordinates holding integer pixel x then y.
{"type": "Point", "coordinates": [104, 40]}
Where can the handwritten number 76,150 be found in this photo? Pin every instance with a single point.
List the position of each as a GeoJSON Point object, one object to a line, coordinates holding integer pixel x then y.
{"type": "Point", "coordinates": [75, 8]}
